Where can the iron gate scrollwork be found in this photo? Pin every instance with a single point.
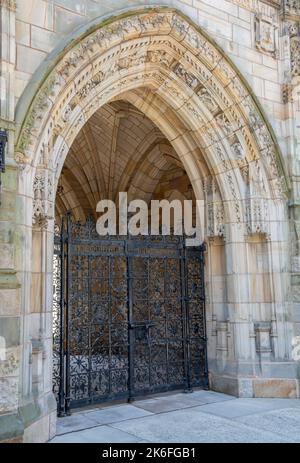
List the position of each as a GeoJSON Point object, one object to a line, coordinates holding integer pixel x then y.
{"type": "Point", "coordinates": [129, 316]}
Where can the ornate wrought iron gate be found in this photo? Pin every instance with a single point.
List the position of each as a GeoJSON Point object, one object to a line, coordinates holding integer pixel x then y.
{"type": "Point", "coordinates": [129, 316]}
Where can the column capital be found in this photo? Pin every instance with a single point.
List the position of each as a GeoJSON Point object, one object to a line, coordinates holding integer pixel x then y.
{"type": "Point", "coordinates": [8, 4]}
{"type": "Point", "coordinates": [291, 9]}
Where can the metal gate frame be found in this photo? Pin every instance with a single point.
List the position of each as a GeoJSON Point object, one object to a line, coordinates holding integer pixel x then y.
{"type": "Point", "coordinates": [73, 239]}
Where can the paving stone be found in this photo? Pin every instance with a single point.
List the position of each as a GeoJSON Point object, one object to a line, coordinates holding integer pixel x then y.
{"type": "Point", "coordinates": [212, 397]}
{"type": "Point", "coordinates": [230, 409]}
{"type": "Point", "coordinates": [166, 404]}
{"type": "Point", "coordinates": [189, 426]}
{"type": "Point", "coordinates": [203, 416]}
{"type": "Point", "coordinates": [101, 434]}
{"type": "Point", "coordinates": [75, 422]}
{"type": "Point", "coordinates": [115, 414]}
{"type": "Point", "coordinates": [284, 422]}
{"type": "Point", "coordinates": [273, 404]}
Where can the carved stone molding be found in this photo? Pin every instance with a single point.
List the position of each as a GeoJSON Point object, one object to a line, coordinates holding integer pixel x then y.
{"type": "Point", "coordinates": [215, 213]}
{"type": "Point", "coordinates": [9, 4]}
{"type": "Point", "coordinates": [223, 333]}
{"type": "Point", "coordinates": [190, 80]}
{"type": "Point", "coordinates": [263, 334]}
{"type": "Point", "coordinates": [287, 93]}
{"type": "Point", "coordinates": [215, 219]}
{"type": "Point", "coordinates": [257, 217]}
{"type": "Point", "coordinates": [290, 94]}
{"type": "Point", "coordinates": [291, 9]}
{"type": "Point", "coordinates": [266, 35]}
{"type": "Point", "coordinates": [42, 199]}
{"type": "Point", "coordinates": [294, 212]}
{"type": "Point", "coordinates": [167, 57]}
{"type": "Point", "coordinates": [292, 73]}
{"type": "Point", "coordinates": [259, 5]}
{"type": "Point", "coordinates": [208, 100]}
{"type": "Point", "coordinates": [9, 366]}
{"type": "Point", "coordinates": [295, 56]}
{"type": "Point", "coordinates": [292, 32]}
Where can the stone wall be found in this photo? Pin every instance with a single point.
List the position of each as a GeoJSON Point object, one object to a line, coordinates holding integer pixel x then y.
{"type": "Point", "coordinates": [262, 40]}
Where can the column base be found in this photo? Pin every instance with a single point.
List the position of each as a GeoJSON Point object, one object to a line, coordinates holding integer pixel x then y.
{"type": "Point", "coordinates": [34, 422]}
{"type": "Point", "coordinates": [11, 428]}
{"type": "Point", "coordinates": [271, 388]}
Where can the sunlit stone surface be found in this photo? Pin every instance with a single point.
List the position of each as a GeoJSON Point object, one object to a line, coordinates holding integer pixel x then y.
{"type": "Point", "coordinates": [198, 100]}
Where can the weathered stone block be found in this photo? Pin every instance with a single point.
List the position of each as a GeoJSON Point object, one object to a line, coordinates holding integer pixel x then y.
{"type": "Point", "coordinates": [42, 39]}
{"type": "Point", "coordinates": [10, 331]}
{"type": "Point", "coordinates": [6, 256]}
{"type": "Point", "coordinates": [28, 59]}
{"type": "Point", "coordinates": [9, 388]}
{"type": "Point", "coordinates": [23, 33]}
{"type": "Point", "coordinates": [11, 426]}
{"type": "Point", "coordinates": [272, 388]}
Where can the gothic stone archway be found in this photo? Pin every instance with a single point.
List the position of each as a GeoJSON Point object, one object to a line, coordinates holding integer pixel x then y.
{"type": "Point", "coordinates": [173, 73]}
{"type": "Point", "coordinates": [134, 311]}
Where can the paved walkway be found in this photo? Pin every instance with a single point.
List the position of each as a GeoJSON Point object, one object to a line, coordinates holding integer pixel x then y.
{"type": "Point", "coordinates": [186, 418]}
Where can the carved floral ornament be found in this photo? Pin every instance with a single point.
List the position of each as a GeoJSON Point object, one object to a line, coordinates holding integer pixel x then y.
{"type": "Point", "coordinates": [258, 6]}
{"type": "Point", "coordinates": [42, 199]}
{"type": "Point", "coordinates": [8, 4]}
{"type": "Point", "coordinates": [291, 8]}
{"type": "Point", "coordinates": [294, 34]}
{"type": "Point", "coordinates": [292, 30]}
{"type": "Point", "coordinates": [163, 51]}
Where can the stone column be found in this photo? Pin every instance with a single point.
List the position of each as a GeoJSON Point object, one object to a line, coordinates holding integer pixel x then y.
{"type": "Point", "coordinates": [27, 405]}
{"type": "Point", "coordinates": [251, 319]}
{"type": "Point", "coordinates": [291, 98]}
{"type": "Point", "coordinates": [235, 354]}
{"type": "Point", "coordinates": [11, 426]}
{"type": "Point", "coordinates": [35, 269]}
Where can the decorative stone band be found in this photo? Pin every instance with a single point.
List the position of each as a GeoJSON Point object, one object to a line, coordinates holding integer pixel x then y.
{"type": "Point", "coordinates": [259, 6]}
{"type": "Point", "coordinates": [287, 93]}
{"type": "Point", "coordinates": [42, 199]}
{"type": "Point", "coordinates": [9, 4]}
{"type": "Point", "coordinates": [291, 8]}
{"type": "Point", "coordinates": [294, 34]}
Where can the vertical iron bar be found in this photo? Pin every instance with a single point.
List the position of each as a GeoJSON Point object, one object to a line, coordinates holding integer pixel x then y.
{"type": "Point", "coordinates": [89, 329]}
{"type": "Point", "coordinates": [166, 323]}
{"type": "Point", "coordinates": [68, 285]}
{"type": "Point", "coordinates": [203, 297]}
{"type": "Point", "coordinates": [110, 327]}
{"type": "Point", "coordinates": [147, 261]}
{"type": "Point", "coordinates": [130, 328]}
{"type": "Point", "coordinates": [183, 311]}
{"type": "Point", "coordinates": [61, 393]}
{"type": "Point", "coordinates": [186, 322]}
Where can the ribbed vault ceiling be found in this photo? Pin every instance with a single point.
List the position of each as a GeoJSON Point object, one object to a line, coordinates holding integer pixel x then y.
{"type": "Point", "coordinates": [118, 149]}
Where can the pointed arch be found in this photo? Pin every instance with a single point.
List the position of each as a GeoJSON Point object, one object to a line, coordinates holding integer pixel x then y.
{"type": "Point", "coordinates": [176, 75]}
